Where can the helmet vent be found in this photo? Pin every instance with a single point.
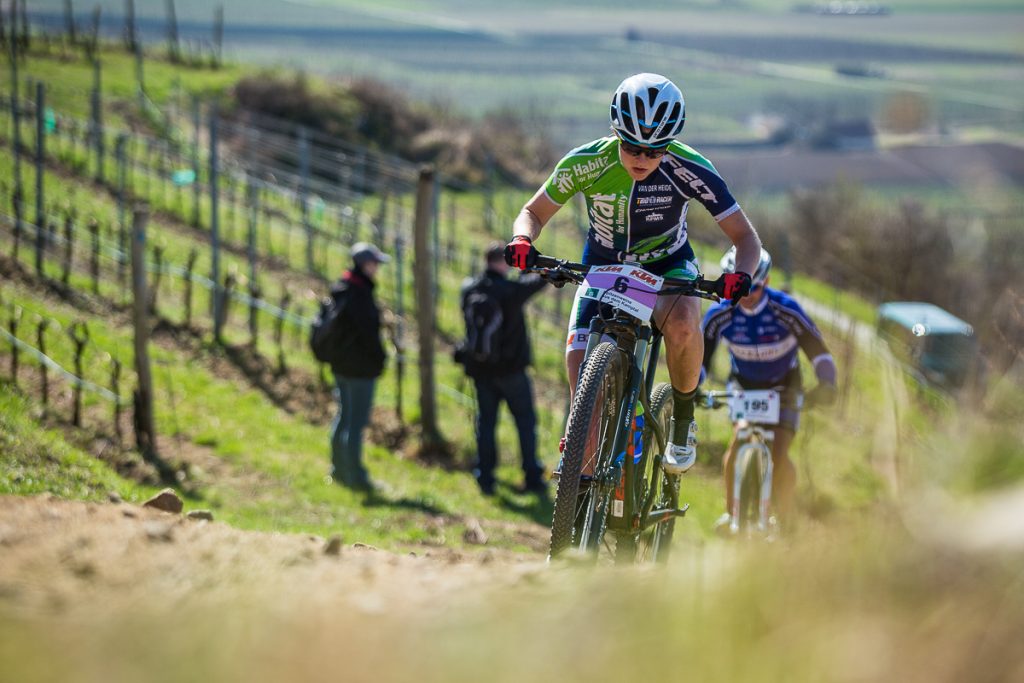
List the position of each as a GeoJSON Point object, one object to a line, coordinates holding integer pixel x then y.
{"type": "Point", "coordinates": [624, 118]}
{"type": "Point", "coordinates": [660, 113]}
{"type": "Point", "coordinates": [675, 113]}
{"type": "Point", "coordinates": [641, 112]}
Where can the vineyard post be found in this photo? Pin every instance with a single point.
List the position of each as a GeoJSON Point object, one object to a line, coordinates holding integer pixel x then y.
{"type": "Point", "coordinates": [97, 117]}
{"type": "Point", "coordinates": [304, 195]}
{"type": "Point", "coordinates": [425, 314]}
{"type": "Point", "coordinates": [44, 381]}
{"type": "Point", "coordinates": [122, 227]}
{"type": "Point", "coordinates": [16, 123]}
{"type": "Point", "coordinates": [196, 187]}
{"type": "Point", "coordinates": [145, 430]}
{"type": "Point", "coordinates": [214, 226]}
{"type": "Point", "coordinates": [40, 151]}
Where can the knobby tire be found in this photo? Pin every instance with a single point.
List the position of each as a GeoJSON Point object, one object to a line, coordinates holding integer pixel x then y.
{"type": "Point", "coordinates": [656, 543]}
{"type": "Point", "coordinates": [750, 490]}
{"type": "Point", "coordinates": [600, 387]}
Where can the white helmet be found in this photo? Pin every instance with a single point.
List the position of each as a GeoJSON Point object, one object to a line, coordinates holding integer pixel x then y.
{"type": "Point", "coordinates": [760, 273]}
{"type": "Point", "coordinates": [648, 110]}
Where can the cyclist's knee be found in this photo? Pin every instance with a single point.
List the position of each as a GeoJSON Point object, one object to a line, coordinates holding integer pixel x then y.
{"type": "Point", "coordinates": [681, 329]}
{"type": "Point", "coordinates": [573, 360]}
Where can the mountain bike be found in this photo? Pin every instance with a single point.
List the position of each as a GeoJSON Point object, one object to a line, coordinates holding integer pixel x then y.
{"type": "Point", "coordinates": [613, 497]}
{"type": "Point", "coordinates": [754, 414]}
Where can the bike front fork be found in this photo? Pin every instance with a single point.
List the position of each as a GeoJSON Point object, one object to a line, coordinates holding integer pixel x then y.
{"type": "Point", "coordinates": [752, 454]}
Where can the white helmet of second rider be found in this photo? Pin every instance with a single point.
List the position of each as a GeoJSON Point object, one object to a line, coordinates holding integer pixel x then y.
{"type": "Point", "coordinates": [760, 273]}
{"type": "Point", "coordinates": [648, 110]}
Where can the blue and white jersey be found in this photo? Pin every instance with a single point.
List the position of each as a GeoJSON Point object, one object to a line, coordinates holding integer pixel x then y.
{"type": "Point", "coordinates": [763, 342]}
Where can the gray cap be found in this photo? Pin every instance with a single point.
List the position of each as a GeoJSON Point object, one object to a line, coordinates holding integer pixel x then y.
{"type": "Point", "coordinates": [364, 251]}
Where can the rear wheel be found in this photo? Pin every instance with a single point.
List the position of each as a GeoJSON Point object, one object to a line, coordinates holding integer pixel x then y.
{"type": "Point", "coordinates": [580, 515]}
{"type": "Point", "coordinates": [652, 544]}
{"type": "Point", "coordinates": [655, 543]}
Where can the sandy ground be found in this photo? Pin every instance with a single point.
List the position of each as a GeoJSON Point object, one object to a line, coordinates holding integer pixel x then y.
{"type": "Point", "coordinates": [114, 592]}
{"type": "Point", "coordinates": [61, 557]}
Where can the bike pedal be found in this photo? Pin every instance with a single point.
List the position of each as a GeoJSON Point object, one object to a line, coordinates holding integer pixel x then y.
{"type": "Point", "coordinates": [681, 512]}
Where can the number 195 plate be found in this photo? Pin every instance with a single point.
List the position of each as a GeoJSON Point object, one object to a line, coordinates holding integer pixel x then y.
{"type": "Point", "coordinates": [760, 406]}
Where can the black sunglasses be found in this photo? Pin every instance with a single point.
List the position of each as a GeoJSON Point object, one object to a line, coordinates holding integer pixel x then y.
{"type": "Point", "coordinates": [635, 150]}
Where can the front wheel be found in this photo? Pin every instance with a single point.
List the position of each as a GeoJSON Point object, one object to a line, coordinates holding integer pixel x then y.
{"type": "Point", "coordinates": [579, 516]}
{"type": "Point", "coordinates": [749, 464]}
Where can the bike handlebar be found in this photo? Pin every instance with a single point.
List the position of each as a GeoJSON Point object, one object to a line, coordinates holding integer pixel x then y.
{"type": "Point", "coordinates": [561, 271]}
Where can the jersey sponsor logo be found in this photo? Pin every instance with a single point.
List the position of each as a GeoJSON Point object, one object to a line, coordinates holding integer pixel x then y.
{"type": "Point", "coordinates": [651, 217]}
{"type": "Point", "coordinates": [586, 171]}
{"type": "Point", "coordinates": [763, 352]}
{"type": "Point", "coordinates": [647, 189]}
{"type": "Point", "coordinates": [577, 340]}
{"type": "Point", "coordinates": [563, 181]}
{"type": "Point", "coordinates": [692, 180]}
{"type": "Point", "coordinates": [603, 221]}
{"type": "Point", "coordinates": [644, 276]}
{"type": "Point", "coordinates": [656, 199]}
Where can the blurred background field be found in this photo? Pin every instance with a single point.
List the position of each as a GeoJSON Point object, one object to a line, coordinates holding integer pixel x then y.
{"type": "Point", "coordinates": [878, 156]}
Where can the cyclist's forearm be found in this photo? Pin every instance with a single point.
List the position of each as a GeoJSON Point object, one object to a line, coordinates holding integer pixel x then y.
{"type": "Point", "coordinates": [527, 223]}
{"type": "Point", "coordinates": [738, 228]}
{"type": "Point", "coordinates": [535, 215]}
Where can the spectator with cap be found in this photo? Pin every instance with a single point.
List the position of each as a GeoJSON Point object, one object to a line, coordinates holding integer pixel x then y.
{"type": "Point", "coordinates": [356, 370]}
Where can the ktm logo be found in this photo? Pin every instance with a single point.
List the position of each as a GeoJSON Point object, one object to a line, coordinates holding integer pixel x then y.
{"type": "Point", "coordinates": [643, 276]}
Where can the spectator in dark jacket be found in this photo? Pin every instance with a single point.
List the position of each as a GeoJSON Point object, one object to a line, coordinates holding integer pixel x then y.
{"type": "Point", "coordinates": [505, 380]}
{"type": "Point", "coordinates": [356, 373]}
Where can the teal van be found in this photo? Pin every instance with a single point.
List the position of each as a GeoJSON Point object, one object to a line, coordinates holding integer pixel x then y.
{"type": "Point", "coordinates": [935, 344]}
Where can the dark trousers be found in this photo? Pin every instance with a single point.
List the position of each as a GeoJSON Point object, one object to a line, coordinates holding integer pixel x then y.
{"type": "Point", "coordinates": [516, 391]}
{"type": "Point", "coordinates": [355, 398]}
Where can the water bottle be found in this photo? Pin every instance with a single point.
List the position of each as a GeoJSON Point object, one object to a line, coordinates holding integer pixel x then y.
{"type": "Point", "coordinates": [636, 445]}
{"type": "Point", "coordinates": [636, 440]}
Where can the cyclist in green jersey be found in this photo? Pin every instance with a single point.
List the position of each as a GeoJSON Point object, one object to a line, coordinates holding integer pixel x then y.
{"type": "Point", "coordinates": [637, 184]}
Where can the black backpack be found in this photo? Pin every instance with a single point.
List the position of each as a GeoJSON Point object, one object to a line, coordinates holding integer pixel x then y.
{"type": "Point", "coordinates": [482, 348]}
{"type": "Point", "coordinates": [327, 335]}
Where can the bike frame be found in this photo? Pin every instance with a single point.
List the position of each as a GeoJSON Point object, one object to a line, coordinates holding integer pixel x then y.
{"type": "Point", "coordinates": [642, 344]}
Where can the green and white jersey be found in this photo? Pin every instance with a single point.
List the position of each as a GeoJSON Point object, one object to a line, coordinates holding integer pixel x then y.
{"type": "Point", "coordinates": [638, 220]}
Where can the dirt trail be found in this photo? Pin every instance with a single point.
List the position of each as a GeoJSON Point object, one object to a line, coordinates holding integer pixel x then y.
{"type": "Point", "coordinates": [60, 557]}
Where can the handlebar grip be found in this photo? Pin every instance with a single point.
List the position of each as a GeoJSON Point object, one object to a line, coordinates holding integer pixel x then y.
{"type": "Point", "coordinates": [545, 262]}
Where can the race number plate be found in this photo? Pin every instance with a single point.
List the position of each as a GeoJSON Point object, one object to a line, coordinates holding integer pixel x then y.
{"type": "Point", "coordinates": [629, 288]}
{"type": "Point", "coordinates": [761, 407]}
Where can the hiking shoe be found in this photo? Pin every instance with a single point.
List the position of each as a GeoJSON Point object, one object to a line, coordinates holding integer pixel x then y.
{"type": "Point", "coordinates": [537, 488]}
{"type": "Point", "coordinates": [359, 485]}
{"type": "Point", "coordinates": [678, 458]}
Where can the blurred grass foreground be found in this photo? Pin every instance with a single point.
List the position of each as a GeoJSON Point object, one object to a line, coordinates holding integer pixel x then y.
{"type": "Point", "coordinates": [927, 595]}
